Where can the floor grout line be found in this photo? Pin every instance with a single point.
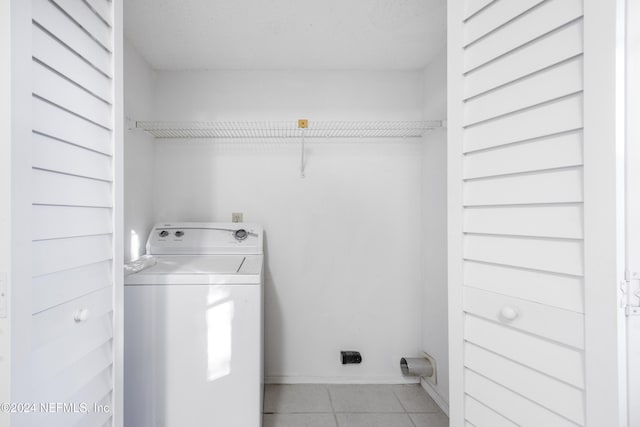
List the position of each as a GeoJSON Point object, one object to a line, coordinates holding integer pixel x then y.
{"type": "Point", "coordinates": [403, 407]}
{"type": "Point", "coordinates": [333, 408]}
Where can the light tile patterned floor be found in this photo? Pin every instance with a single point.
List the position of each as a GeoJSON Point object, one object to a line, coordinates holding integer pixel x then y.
{"type": "Point", "coordinates": [317, 405]}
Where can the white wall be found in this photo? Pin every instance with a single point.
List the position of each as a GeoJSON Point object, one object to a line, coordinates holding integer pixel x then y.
{"type": "Point", "coordinates": [138, 153]}
{"type": "Point", "coordinates": [343, 246]}
{"type": "Point", "coordinates": [434, 205]}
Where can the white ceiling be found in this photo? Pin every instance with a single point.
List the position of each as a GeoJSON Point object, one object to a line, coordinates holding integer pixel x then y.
{"type": "Point", "coordinates": [286, 34]}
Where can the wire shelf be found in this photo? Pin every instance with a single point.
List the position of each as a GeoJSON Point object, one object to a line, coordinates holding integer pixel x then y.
{"type": "Point", "coordinates": [288, 129]}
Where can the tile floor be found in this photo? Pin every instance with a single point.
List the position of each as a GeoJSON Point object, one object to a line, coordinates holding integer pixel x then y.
{"type": "Point", "coordinates": [318, 405]}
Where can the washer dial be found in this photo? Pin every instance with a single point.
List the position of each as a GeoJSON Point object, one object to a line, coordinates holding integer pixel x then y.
{"type": "Point", "coordinates": [240, 234]}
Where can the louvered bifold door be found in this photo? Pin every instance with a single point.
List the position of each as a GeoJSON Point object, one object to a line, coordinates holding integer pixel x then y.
{"type": "Point", "coordinates": [520, 135]}
{"type": "Point", "coordinates": [535, 242]}
{"type": "Point", "coordinates": [72, 223]}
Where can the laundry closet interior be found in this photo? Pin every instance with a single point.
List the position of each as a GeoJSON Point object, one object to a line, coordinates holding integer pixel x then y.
{"type": "Point", "coordinates": [353, 207]}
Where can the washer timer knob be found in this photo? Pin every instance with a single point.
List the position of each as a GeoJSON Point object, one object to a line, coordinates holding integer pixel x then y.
{"type": "Point", "coordinates": [179, 233]}
{"type": "Point", "coordinates": [240, 234]}
{"type": "Point", "coordinates": [164, 233]}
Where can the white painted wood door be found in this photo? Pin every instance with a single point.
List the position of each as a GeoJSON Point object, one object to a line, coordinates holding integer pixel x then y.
{"type": "Point", "coordinates": [534, 249]}
{"type": "Point", "coordinates": [72, 218]}
{"type": "Point", "coordinates": [65, 212]}
{"type": "Point", "coordinates": [633, 208]}
{"type": "Point", "coordinates": [5, 204]}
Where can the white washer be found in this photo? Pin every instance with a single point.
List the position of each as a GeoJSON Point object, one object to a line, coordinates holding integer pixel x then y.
{"type": "Point", "coordinates": [193, 328]}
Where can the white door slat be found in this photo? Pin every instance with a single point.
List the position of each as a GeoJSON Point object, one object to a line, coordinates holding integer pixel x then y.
{"type": "Point", "coordinates": [60, 58]}
{"type": "Point", "coordinates": [555, 186]}
{"type": "Point", "coordinates": [543, 86]}
{"type": "Point", "coordinates": [559, 221]}
{"type": "Point", "coordinates": [92, 392]}
{"type": "Point", "coordinates": [557, 396]}
{"type": "Point", "coordinates": [481, 416]}
{"type": "Point", "coordinates": [59, 91]}
{"type": "Point", "coordinates": [551, 49]}
{"type": "Point", "coordinates": [539, 21]}
{"type": "Point", "coordinates": [54, 289]}
{"type": "Point", "coordinates": [71, 380]}
{"type": "Point", "coordinates": [103, 9]}
{"type": "Point", "coordinates": [50, 256]}
{"type": "Point", "coordinates": [522, 411]}
{"type": "Point", "coordinates": [556, 256]}
{"type": "Point", "coordinates": [51, 188]}
{"type": "Point", "coordinates": [559, 325]}
{"type": "Point", "coordinates": [47, 15]}
{"type": "Point", "coordinates": [62, 353]}
{"type": "Point", "coordinates": [94, 419]}
{"type": "Point", "coordinates": [555, 290]}
{"type": "Point", "coordinates": [53, 121]}
{"type": "Point", "coordinates": [50, 324]}
{"type": "Point", "coordinates": [493, 17]}
{"type": "Point", "coordinates": [471, 7]}
{"type": "Point", "coordinates": [557, 151]}
{"type": "Point", "coordinates": [543, 120]}
{"type": "Point", "coordinates": [97, 387]}
{"type": "Point", "coordinates": [555, 360]}
{"type": "Point", "coordinates": [54, 222]}
{"type": "Point", "coordinates": [89, 20]}
{"type": "Point", "coordinates": [54, 155]}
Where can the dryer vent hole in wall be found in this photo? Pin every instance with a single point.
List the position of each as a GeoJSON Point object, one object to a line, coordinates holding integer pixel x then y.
{"type": "Point", "coordinates": [349, 357]}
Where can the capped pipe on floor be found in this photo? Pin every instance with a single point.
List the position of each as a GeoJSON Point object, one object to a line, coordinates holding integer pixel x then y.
{"type": "Point", "coordinates": [416, 366]}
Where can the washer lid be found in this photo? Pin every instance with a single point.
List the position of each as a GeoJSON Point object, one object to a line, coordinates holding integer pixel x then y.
{"type": "Point", "coordinates": [204, 264]}
{"type": "Point", "coordinates": [200, 269]}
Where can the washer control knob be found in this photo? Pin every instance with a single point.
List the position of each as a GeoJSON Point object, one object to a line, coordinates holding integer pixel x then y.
{"type": "Point", "coordinates": [240, 234]}
{"type": "Point", "coordinates": [179, 233]}
{"type": "Point", "coordinates": [164, 233]}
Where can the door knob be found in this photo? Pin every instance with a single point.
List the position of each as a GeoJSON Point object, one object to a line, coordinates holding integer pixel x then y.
{"type": "Point", "coordinates": [509, 313]}
{"type": "Point", "coordinates": [81, 315]}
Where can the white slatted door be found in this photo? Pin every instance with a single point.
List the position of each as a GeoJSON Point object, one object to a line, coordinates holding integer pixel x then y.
{"type": "Point", "coordinates": [72, 218]}
{"type": "Point", "coordinates": [517, 213]}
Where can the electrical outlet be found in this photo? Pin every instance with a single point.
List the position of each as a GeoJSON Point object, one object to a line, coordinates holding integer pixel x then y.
{"type": "Point", "coordinates": [236, 217]}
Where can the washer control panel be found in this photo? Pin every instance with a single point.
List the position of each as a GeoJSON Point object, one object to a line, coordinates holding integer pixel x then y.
{"type": "Point", "coordinates": [205, 238]}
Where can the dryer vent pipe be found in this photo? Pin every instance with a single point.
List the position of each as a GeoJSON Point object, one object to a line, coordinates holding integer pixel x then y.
{"type": "Point", "coordinates": [416, 366]}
